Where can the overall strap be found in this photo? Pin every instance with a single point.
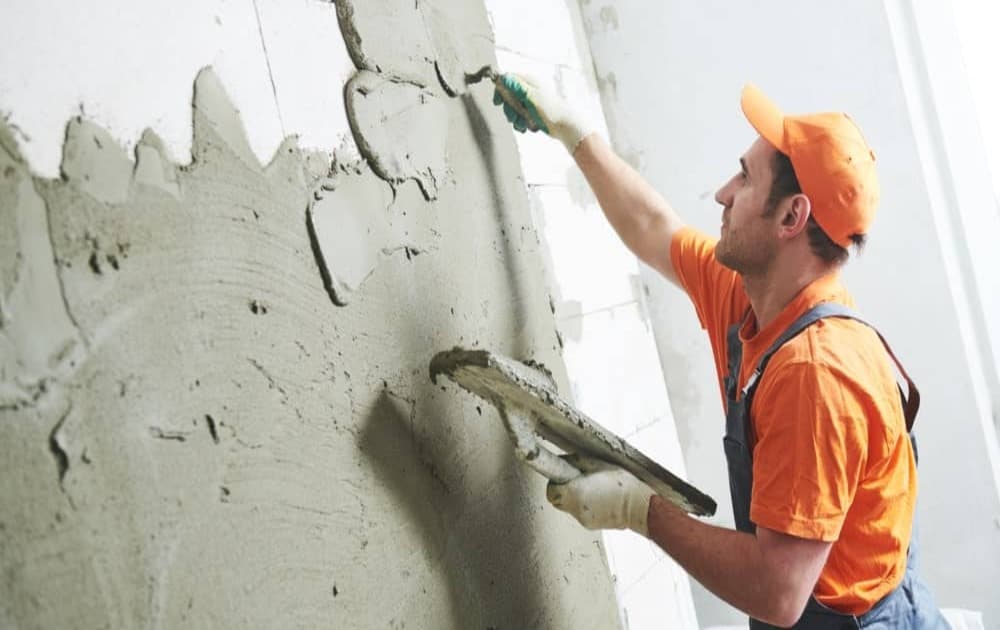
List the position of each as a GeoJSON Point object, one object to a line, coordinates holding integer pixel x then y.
{"type": "Point", "coordinates": [734, 352]}
{"type": "Point", "coordinates": [911, 402]}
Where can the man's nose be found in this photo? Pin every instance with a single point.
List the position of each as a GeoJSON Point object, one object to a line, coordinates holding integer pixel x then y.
{"type": "Point", "coordinates": [723, 196]}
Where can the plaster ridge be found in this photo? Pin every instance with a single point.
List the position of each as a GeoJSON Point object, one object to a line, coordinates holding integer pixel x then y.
{"type": "Point", "coordinates": [94, 161]}
{"type": "Point", "coordinates": [324, 270]}
{"type": "Point", "coordinates": [17, 394]}
{"type": "Point", "coordinates": [449, 89]}
{"type": "Point", "coordinates": [59, 452]}
{"type": "Point", "coordinates": [361, 82]}
{"type": "Point", "coordinates": [352, 38]}
{"type": "Point", "coordinates": [82, 336]}
{"type": "Point", "coordinates": [8, 142]}
{"type": "Point", "coordinates": [44, 344]}
{"type": "Point", "coordinates": [154, 166]}
{"type": "Point", "coordinates": [288, 150]}
{"type": "Point", "coordinates": [215, 113]}
{"type": "Point", "coordinates": [271, 380]}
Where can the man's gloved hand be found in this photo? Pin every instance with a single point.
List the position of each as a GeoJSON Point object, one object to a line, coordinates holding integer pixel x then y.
{"type": "Point", "coordinates": [529, 106]}
{"type": "Point", "coordinates": [604, 496]}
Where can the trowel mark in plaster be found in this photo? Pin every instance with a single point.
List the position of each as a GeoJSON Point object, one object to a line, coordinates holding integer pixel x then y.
{"type": "Point", "coordinates": [102, 198]}
{"type": "Point", "coordinates": [400, 128]}
{"type": "Point", "coordinates": [461, 42]}
{"type": "Point", "coordinates": [356, 221]}
{"type": "Point", "coordinates": [431, 42]}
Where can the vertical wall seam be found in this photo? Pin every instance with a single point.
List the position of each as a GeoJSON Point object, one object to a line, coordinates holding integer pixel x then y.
{"type": "Point", "coordinates": [270, 72]}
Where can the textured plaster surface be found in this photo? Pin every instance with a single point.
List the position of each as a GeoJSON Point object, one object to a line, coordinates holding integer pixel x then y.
{"type": "Point", "coordinates": [194, 434]}
{"type": "Point", "coordinates": [396, 124]}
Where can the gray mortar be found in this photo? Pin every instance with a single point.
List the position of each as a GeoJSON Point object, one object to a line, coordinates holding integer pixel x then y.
{"type": "Point", "coordinates": [38, 338]}
{"type": "Point", "coordinates": [154, 166]}
{"type": "Point", "coordinates": [399, 129]}
{"type": "Point", "coordinates": [356, 222]}
{"type": "Point", "coordinates": [196, 437]}
{"type": "Point", "coordinates": [95, 163]}
{"type": "Point", "coordinates": [431, 41]}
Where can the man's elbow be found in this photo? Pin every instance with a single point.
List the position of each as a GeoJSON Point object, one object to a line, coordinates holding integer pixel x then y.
{"type": "Point", "coordinates": [785, 609]}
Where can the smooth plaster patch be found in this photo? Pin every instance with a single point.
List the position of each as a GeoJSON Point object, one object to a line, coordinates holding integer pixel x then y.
{"type": "Point", "coordinates": [356, 221]}
{"type": "Point", "coordinates": [433, 41]}
{"type": "Point", "coordinates": [401, 129]}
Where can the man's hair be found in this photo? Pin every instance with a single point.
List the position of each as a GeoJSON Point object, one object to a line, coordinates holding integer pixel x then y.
{"type": "Point", "coordinates": [784, 184]}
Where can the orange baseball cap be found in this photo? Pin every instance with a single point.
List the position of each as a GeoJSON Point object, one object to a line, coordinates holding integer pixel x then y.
{"type": "Point", "coordinates": [833, 163]}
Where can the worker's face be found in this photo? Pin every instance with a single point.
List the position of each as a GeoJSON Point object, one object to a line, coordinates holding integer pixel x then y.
{"type": "Point", "coordinates": [748, 241]}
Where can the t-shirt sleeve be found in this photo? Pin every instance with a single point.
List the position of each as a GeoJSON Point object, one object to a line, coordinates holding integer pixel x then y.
{"type": "Point", "coordinates": [710, 286]}
{"type": "Point", "coordinates": [810, 451]}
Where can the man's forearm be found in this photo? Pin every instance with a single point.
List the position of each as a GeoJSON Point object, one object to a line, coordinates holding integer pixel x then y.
{"type": "Point", "coordinates": [729, 563]}
{"type": "Point", "coordinates": [641, 216]}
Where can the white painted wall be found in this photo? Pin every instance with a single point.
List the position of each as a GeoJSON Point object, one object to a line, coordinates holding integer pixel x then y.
{"type": "Point", "coordinates": [955, 135]}
{"type": "Point", "coordinates": [671, 74]}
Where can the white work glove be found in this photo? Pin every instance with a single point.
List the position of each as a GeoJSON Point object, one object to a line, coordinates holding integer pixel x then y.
{"type": "Point", "coordinates": [604, 496]}
{"type": "Point", "coordinates": [529, 106]}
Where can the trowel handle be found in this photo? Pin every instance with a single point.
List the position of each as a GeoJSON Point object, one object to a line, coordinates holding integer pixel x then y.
{"type": "Point", "coordinates": [529, 448]}
{"type": "Point", "coordinates": [550, 465]}
{"type": "Point", "coordinates": [515, 103]}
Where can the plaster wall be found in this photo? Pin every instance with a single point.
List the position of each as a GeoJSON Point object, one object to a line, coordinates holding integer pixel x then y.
{"type": "Point", "coordinates": [215, 408]}
{"type": "Point", "coordinates": [670, 77]}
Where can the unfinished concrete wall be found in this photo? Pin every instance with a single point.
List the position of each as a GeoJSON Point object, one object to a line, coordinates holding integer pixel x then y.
{"type": "Point", "coordinates": [214, 401]}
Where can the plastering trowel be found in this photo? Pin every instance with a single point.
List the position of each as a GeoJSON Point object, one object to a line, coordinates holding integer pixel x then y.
{"type": "Point", "coordinates": [530, 408]}
{"type": "Point", "coordinates": [489, 72]}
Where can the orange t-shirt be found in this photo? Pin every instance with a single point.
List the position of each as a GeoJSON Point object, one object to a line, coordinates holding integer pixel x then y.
{"type": "Point", "coordinates": [831, 456]}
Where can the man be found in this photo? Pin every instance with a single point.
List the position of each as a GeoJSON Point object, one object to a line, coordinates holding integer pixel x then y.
{"type": "Point", "coordinates": [822, 468]}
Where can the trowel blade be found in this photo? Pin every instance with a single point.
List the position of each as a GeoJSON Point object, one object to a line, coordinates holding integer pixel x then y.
{"type": "Point", "coordinates": [515, 387]}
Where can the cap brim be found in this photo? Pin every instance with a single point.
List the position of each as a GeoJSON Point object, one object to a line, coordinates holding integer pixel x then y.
{"type": "Point", "coordinates": [764, 115]}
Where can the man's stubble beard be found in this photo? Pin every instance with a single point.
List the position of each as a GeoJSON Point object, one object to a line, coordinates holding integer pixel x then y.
{"type": "Point", "coordinates": [742, 257]}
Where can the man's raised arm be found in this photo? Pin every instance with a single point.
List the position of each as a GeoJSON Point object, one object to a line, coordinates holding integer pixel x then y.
{"type": "Point", "coordinates": [641, 216]}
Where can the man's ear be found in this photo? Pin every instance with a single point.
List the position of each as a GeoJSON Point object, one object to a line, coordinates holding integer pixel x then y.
{"type": "Point", "coordinates": [795, 216]}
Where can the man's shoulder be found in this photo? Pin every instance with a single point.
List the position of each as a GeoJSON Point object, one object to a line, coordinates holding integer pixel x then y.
{"type": "Point", "coordinates": [841, 348]}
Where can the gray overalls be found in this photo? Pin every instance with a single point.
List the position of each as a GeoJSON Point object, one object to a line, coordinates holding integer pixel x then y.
{"type": "Point", "coordinates": [910, 605]}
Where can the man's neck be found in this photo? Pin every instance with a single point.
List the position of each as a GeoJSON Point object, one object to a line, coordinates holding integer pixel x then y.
{"type": "Point", "coordinates": [771, 291]}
